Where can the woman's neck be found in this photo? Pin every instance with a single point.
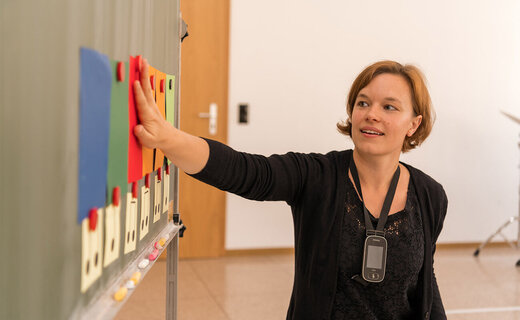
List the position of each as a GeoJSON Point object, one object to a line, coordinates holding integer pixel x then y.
{"type": "Point", "coordinates": [375, 172]}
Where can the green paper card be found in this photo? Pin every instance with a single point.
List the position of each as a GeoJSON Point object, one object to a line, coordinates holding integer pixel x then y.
{"type": "Point", "coordinates": [170, 101]}
{"type": "Point", "coordinates": [118, 140]}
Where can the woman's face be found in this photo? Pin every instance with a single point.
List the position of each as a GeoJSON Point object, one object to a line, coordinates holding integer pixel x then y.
{"type": "Point", "coordinates": [383, 116]}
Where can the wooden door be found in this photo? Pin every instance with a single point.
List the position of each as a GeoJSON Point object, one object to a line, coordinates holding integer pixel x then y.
{"type": "Point", "coordinates": [204, 80]}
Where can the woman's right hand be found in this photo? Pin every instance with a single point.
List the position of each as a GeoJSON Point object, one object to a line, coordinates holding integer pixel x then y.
{"type": "Point", "coordinates": [187, 152]}
{"type": "Point", "coordinates": [153, 130]}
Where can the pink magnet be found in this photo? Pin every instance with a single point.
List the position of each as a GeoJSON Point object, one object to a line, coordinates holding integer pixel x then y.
{"type": "Point", "coordinates": [153, 255]}
{"type": "Point", "coordinates": [162, 85]}
{"type": "Point", "coordinates": [147, 180]}
{"type": "Point", "coordinates": [157, 245]}
{"type": "Point", "coordinates": [120, 71]}
{"type": "Point", "coordinates": [92, 219]}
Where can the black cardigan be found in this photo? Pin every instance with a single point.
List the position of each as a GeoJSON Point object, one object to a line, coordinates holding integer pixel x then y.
{"type": "Point", "coordinates": [314, 185]}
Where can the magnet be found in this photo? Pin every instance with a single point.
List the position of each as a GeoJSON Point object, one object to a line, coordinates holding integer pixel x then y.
{"type": "Point", "coordinates": [143, 264]}
{"type": "Point", "coordinates": [120, 294]}
{"type": "Point", "coordinates": [152, 82]}
{"type": "Point", "coordinates": [161, 87]}
{"type": "Point", "coordinates": [170, 83]}
{"type": "Point", "coordinates": [130, 285]}
{"type": "Point", "coordinates": [116, 196]}
{"type": "Point", "coordinates": [136, 277]}
{"type": "Point", "coordinates": [156, 245]}
{"type": "Point", "coordinates": [153, 255]}
{"type": "Point", "coordinates": [92, 218]}
{"type": "Point", "coordinates": [147, 181]}
{"type": "Point", "coordinates": [162, 241]}
{"type": "Point", "coordinates": [159, 174]}
{"type": "Point", "coordinates": [120, 71]}
{"type": "Point", "coordinates": [134, 190]}
{"type": "Point", "coordinates": [168, 169]}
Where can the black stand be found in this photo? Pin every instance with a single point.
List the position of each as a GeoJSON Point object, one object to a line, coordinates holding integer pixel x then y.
{"type": "Point", "coordinates": [514, 219]}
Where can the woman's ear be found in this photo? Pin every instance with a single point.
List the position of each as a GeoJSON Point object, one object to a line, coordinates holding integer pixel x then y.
{"type": "Point", "coordinates": [416, 122]}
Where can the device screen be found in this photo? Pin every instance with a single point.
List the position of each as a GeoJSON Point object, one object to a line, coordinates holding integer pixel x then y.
{"type": "Point", "coordinates": [374, 257]}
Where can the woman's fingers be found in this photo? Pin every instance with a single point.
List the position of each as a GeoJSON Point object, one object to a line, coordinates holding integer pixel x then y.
{"type": "Point", "coordinates": [151, 120]}
{"type": "Point", "coordinates": [141, 101]}
{"type": "Point", "coordinates": [145, 81]}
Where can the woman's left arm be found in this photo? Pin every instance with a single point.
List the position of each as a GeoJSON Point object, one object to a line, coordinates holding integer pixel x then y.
{"type": "Point", "coordinates": [437, 312]}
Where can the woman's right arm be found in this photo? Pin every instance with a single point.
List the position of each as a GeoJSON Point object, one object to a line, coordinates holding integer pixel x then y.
{"type": "Point", "coordinates": [278, 177]}
{"type": "Point", "coordinates": [187, 152]}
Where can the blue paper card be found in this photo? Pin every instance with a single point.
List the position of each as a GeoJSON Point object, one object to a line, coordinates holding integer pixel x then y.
{"type": "Point", "coordinates": [94, 122]}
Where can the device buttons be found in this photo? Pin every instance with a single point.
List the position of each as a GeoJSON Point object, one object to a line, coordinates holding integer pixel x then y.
{"type": "Point", "coordinates": [374, 276]}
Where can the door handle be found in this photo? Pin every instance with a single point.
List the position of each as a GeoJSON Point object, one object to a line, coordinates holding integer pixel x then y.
{"type": "Point", "coordinates": [212, 116]}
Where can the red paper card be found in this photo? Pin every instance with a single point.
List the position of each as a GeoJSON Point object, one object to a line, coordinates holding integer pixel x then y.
{"type": "Point", "coordinates": [135, 171]}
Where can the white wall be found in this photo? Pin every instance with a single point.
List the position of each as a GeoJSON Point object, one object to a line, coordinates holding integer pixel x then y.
{"type": "Point", "coordinates": [293, 61]}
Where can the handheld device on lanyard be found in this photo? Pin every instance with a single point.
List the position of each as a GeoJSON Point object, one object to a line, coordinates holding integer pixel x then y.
{"type": "Point", "coordinates": [375, 248]}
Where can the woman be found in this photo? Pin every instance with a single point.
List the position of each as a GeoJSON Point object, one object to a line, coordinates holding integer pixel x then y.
{"type": "Point", "coordinates": [338, 198]}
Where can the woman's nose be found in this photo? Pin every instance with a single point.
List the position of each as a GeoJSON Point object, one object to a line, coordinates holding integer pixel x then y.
{"type": "Point", "coordinates": [372, 113]}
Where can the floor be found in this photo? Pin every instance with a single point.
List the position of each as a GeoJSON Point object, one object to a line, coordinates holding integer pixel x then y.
{"type": "Point", "coordinates": [259, 287]}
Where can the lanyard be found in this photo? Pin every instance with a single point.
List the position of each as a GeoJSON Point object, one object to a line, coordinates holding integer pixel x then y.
{"type": "Point", "coordinates": [386, 205]}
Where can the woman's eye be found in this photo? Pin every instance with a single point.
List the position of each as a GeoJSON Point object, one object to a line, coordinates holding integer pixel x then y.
{"type": "Point", "coordinates": [390, 107]}
{"type": "Point", "coordinates": [362, 104]}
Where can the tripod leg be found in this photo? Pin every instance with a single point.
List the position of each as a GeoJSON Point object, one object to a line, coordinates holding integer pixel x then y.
{"type": "Point", "coordinates": [499, 230]}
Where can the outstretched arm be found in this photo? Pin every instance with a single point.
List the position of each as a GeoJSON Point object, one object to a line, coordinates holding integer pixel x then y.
{"type": "Point", "coordinates": [187, 152]}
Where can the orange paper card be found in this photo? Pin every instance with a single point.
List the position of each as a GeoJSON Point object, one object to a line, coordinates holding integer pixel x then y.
{"type": "Point", "coordinates": [148, 153]}
{"type": "Point", "coordinates": [160, 98]}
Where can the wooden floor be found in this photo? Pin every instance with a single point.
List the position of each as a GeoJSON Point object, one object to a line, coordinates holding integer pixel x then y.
{"type": "Point", "coordinates": [259, 287]}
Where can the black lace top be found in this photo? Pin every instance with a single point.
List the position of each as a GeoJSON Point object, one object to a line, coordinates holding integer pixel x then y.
{"type": "Point", "coordinates": [394, 297]}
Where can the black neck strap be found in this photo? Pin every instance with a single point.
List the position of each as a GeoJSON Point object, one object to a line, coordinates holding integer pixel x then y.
{"type": "Point", "coordinates": [386, 205]}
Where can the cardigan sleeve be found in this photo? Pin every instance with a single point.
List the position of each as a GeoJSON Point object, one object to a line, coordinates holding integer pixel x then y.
{"type": "Point", "coordinates": [255, 177]}
{"type": "Point", "coordinates": [437, 312]}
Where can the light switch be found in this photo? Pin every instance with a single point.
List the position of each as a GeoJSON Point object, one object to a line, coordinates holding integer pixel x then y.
{"type": "Point", "coordinates": [157, 199]}
{"type": "Point", "coordinates": [145, 212]}
{"type": "Point", "coordinates": [243, 113]}
{"type": "Point", "coordinates": [91, 251]}
{"type": "Point", "coordinates": [130, 224]}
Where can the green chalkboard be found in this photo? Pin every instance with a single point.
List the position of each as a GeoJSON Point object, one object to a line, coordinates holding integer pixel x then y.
{"type": "Point", "coordinates": [40, 238]}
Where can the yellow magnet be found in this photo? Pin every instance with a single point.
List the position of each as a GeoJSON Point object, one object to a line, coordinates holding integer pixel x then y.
{"type": "Point", "coordinates": [162, 241]}
{"type": "Point", "coordinates": [136, 277]}
{"type": "Point", "coordinates": [120, 294]}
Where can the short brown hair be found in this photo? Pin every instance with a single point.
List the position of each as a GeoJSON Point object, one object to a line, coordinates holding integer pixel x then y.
{"type": "Point", "coordinates": [421, 101]}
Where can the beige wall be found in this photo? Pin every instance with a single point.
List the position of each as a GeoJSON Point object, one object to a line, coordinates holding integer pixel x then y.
{"type": "Point", "coordinates": [293, 62]}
